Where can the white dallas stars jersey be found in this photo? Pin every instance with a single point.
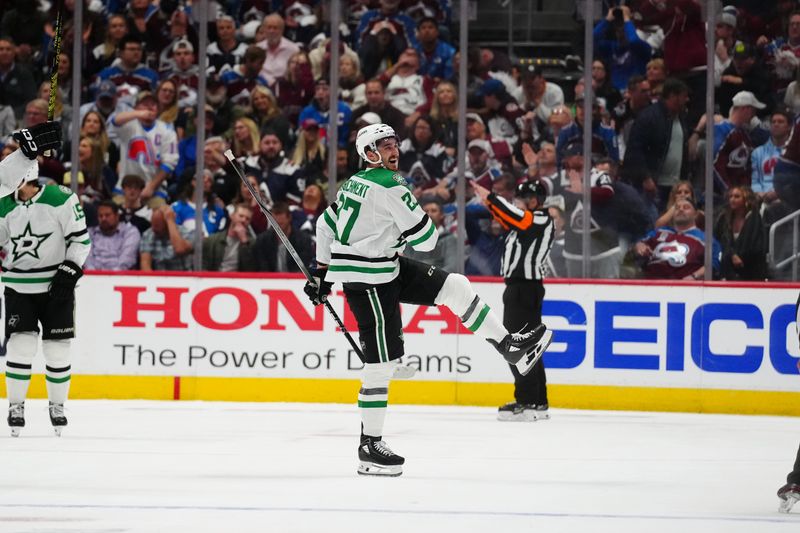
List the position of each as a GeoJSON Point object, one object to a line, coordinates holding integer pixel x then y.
{"type": "Point", "coordinates": [360, 236]}
{"type": "Point", "coordinates": [38, 235]}
{"type": "Point", "coordinates": [15, 169]}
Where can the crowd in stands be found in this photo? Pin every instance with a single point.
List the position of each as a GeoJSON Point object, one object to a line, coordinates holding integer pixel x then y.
{"type": "Point", "coordinates": [266, 72]}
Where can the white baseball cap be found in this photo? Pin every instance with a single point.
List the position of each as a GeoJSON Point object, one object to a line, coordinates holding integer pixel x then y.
{"type": "Point", "coordinates": [371, 118]}
{"type": "Point", "coordinates": [481, 144]}
{"type": "Point", "coordinates": [474, 116]}
{"type": "Point", "coordinates": [728, 16]}
{"type": "Point", "coordinates": [746, 98]}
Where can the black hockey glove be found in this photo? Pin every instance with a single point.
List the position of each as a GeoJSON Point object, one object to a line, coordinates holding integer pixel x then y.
{"type": "Point", "coordinates": [318, 291]}
{"type": "Point", "coordinates": [63, 285]}
{"type": "Point", "coordinates": [37, 139]}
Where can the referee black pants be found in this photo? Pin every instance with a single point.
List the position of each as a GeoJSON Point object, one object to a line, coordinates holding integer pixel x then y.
{"type": "Point", "coordinates": [522, 308]}
{"type": "Point", "coordinates": [794, 476]}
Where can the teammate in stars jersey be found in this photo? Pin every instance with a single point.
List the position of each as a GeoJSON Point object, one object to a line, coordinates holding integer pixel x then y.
{"type": "Point", "coordinates": [359, 241]}
{"type": "Point", "coordinates": [43, 233]}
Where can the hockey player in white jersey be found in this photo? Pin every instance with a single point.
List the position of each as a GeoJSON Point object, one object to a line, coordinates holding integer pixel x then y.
{"type": "Point", "coordinates": [43, 233]}
{"type": "Point", "coordinates": [359, 241]}
{"type": "Point", "coordinates": [33, 142]}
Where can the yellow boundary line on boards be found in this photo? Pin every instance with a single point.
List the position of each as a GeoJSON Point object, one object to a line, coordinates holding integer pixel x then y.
{"type": "Point", "coordinates": [422, 393]}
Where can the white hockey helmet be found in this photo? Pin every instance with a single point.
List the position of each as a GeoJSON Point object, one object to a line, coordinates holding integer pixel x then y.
{"type": "Point", "coordinates": [368, 138]}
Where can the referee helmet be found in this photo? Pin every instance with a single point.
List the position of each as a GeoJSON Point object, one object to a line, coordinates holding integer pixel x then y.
{"type": "Point", "coordinates": [530, 188]}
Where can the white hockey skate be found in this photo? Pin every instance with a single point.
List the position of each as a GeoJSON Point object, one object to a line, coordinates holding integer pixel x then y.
{"type": "Point", "coordinates": [57, 417]}
{"type": "Point", "coordinates": [789, 495]}
{"type": "Point", "coordinates": [16, 418]}
{"type": "Point", "coordinates": [377, 459]}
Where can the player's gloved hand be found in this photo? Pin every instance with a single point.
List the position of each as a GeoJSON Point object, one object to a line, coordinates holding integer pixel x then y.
{"type": "Point", "coordinates": [318, 291]}
{"type": "Point", "coordinates": [37, 139]}
{"type": "Point", "coordinates": [63, 285]}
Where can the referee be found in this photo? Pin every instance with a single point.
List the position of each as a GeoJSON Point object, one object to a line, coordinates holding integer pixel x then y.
{"type": "Point", "coordinates": [789, 494]}
{"type": "Point", "coordinates": [531, 233]}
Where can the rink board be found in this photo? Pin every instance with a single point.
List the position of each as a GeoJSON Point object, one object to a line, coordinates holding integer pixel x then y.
{"type": "Point", "coordinates": [622, 345]}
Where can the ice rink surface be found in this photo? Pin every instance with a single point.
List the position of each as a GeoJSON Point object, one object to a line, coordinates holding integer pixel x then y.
{"type": "Point", "coordinates": [142, 466]}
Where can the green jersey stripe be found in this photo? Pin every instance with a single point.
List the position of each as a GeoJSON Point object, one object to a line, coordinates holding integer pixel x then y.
{"type": "Point", "coordinates": [7, 279]}
{"type": "Point", "coordinates": [18, 376]}
{"type": "Point", "coordinates": [424, 237]}
{"type": "Point", "coordinates": [57, 380]}
{"type": "Point", "coordinates": [329, 221]}
{"type": "Point", "coordinates": [372, 405]}
{"type": "Point", "coordinates": [363, 270]}
{"type": "Point", "coordinates": [379, 333]}
{"type": "Point", "coordinates": [478, 321]}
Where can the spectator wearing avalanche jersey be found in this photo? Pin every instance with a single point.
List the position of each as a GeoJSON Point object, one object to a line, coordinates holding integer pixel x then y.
{"type": "Point", "coordinates": [388, 16]}
{"type": "Point", "coordinates": [148, 146]}
{"type": "Point", "coordinates": [677, 251]}
{"type": "Point", "coordinates": [785, 182]}
{"type": "Point", "coordinates": [733, 146]}
{"type": "Point", "coordinates": [435, 55]}
{"type": "Point", "coordinates": [242, 79]}
{"type": "Point", "coordinates": [226, 52]}
{"type": "Point", "coordinates": [128, 72]}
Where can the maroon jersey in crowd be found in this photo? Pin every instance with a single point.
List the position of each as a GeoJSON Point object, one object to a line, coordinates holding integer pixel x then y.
{"type": "Point", "coordinates": [732, 150]}
{"type": "Point", "coordinates": [791, 150]}
{"type": "Point", "coordinates": [187, 83]}
{"type": "Point", "coordinates": [677, 254]}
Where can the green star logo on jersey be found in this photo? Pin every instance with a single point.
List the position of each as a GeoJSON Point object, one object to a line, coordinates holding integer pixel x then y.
{"type": "Point", "coordinates": [28, 243]}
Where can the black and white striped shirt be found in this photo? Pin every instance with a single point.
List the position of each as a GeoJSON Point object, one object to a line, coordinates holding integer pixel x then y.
{"type": "Point", "coordinates": [529, 241]}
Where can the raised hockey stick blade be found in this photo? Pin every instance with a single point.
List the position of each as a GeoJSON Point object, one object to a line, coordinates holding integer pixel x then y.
{"type": "Point", "coordinates": [285, 240]}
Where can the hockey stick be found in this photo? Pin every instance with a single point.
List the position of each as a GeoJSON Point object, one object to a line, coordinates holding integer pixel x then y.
{"type": "Point", "coordinates": [51, 102]}
{"type": "Point", "coordinates": [292, 251]}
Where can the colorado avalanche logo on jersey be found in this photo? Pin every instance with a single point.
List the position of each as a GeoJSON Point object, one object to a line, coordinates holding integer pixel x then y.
{"type": "Point", "coordinates": [576, 220]}
{"type": "Point", "coordinates": [738, 158]}
{"type": "Point", "coordinates": [673, 252]}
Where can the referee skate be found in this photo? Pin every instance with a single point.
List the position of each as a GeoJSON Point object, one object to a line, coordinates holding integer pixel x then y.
{"type": "Point", "coordinates": [789, 495]}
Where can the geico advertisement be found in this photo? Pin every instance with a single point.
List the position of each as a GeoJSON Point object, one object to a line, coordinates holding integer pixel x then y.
{"type": "Point", "coordinates": [605, 334]}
